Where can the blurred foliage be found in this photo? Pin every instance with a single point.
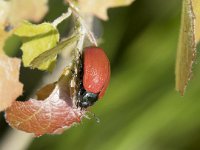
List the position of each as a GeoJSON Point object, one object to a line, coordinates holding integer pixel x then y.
{"type": "Point", "coordinates": [141, 109]}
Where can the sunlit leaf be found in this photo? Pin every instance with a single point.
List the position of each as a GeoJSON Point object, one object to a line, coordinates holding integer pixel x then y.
{"type": "Point", "coordinates": [49, 55]}
{"type": "Point", "coordinates": [36, 40]}
{"type": "Point", "coordinates": [100, 7]}
{"type": "Point", "coordinates": [187, 44]}
{"type": "Point", "coordinates": [49, 116]}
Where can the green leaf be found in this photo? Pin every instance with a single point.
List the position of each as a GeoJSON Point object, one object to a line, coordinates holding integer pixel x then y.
{"type": "Point", "coordinates": [50, 54]}
{"type": "Point", "coordinates": [36, 40]}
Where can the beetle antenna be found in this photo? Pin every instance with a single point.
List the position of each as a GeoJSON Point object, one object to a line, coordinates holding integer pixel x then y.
{"type": "Point", "coordinates": [94, 116]}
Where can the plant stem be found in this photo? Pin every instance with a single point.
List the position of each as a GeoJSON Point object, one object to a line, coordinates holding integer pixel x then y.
{"type": "Point", "coordinates": [80, 43]}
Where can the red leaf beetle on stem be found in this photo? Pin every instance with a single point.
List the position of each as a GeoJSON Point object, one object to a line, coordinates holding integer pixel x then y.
{"type": "Point", "coordinates": [95, 76]}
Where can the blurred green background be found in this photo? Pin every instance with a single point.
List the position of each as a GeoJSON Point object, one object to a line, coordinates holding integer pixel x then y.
{"type": "Point", "coordinates": [141, 109]}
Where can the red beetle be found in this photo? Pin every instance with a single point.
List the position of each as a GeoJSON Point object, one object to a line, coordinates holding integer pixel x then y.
{"type": "Point", "coordinates": [96, 76]}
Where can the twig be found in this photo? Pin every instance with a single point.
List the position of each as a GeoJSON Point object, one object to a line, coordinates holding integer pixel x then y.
{"type": "Point", "coordinates": [88, 32]}
{"type": "Point", "coordinates": [84, 25]}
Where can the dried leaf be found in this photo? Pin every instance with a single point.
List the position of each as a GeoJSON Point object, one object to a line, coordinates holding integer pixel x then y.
{"type": "Point", "coordinates": [10, 87]}
{"type": "Point", "coordinates": [196, 9]}
{"type": "Point", "coordinates": [100, 7]}
{"type": "Point", "coordinates": [44, 92]}
{"type": "Point", "coordinates": [189, 36]}
{"type": "Point", "coordinates": [36, 40]}
{"type": "Point", "coordinates": [4, 11]}
{"type": "Point", "coordinates": [12, 12]}
{"type": "Point", "coordinates": [50, 116]}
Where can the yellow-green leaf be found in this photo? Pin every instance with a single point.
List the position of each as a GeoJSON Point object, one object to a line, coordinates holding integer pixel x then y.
{"type": "Point", "coordinates": [48, 55]}
{"type": "Point", "coordinates": [36, 40]}
{"type": "Point", "coordinates": [189, 36]}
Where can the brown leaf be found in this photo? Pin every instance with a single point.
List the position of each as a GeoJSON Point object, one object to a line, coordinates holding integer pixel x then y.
{"type": "Point", "coordinates": [44, 92]}
{"type": "Point", "coordinates": [50, 116]}
{"type": "Point", "coordinates": [10, 87]}
{"type": "Point", "coordinates": [12, 12]}
{"type": "Point", "coordinates": [188, 39]}
{"type": "Point", "coordinates": [186, 47]}
{"type": "Point", "coordinates": [99, 7]}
